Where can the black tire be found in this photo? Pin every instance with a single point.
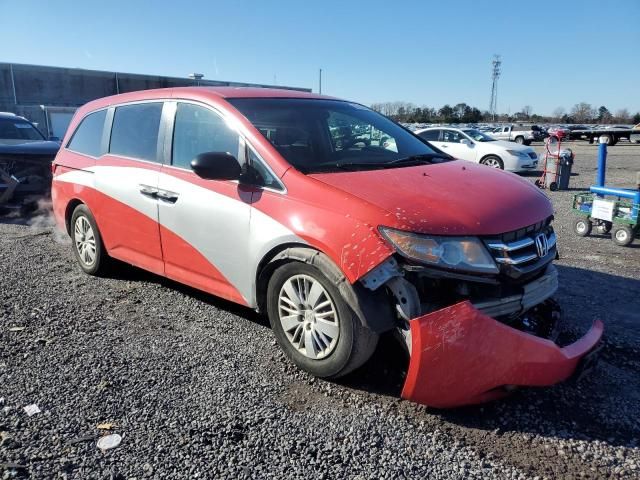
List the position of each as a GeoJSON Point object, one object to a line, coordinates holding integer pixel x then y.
{"type": "Point", "coordinates": [355, 343]}
{"type": "Point", "coordinates": [494, 162]}
{"type": "Point", "coordinates": [527, 143]}
{"type": "Point", "coordinates": [553, 186]}
{"type": "Point", "coordinates": [101, 262]}
{"type": "Point", "coordinates": [582, 226]}
{"type": "Point", "coordinates": [609, 138]}
{"type": "Point", "coordinates": [622, 235]}
{"type": "Point", "coordinates": [520, 139]}
{"type": "Point", "coordinates": [604, 228]}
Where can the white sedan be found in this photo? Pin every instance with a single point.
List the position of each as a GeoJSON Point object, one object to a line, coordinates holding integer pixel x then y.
{"type": "Point", "coordinates": [475, 146]}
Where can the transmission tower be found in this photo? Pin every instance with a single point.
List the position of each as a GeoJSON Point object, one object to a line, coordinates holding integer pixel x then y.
{"type": "Point", "coordinates": [495, 74]}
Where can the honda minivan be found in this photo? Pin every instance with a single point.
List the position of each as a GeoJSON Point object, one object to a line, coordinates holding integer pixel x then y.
{"type": "Point", "coordinates": [335, 221]}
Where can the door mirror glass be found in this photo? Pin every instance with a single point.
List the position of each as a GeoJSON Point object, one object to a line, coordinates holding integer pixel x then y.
{"type": "Point", "coordinates": [465, 141]}
{"type": "Point", "coordinates": [216, 166]}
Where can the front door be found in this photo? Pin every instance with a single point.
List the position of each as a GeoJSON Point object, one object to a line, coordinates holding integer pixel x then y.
{"type": "Point", "coordinates": [450, 143]}
{"type": "Point", "coordinates": [204, 224]}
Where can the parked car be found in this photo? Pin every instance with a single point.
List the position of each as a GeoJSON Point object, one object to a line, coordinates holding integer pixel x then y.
{"type": "Point", "coordinates": [518, 134]}
{"type": "Point", "coordinates": [474, 146]}
{"type": "Point", "coordinates": [25, 159]}
{"type": "Point", "coordinates": [255, 196]}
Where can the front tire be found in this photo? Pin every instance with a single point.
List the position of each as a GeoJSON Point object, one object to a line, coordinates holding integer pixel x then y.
{"type": "Point", "coordinates": [493, 161]}
{"type": "Point", "coordinates": [582, 227]}
{"type": "Point", "coordinates": [313, 324]}
{"type": "Point", "coordinates": [622, 235]}
{"type": "Point", "coordinates": [87, 242]}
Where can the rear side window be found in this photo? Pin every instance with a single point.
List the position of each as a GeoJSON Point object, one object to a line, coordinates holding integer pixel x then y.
{"type": "Point", "coordinates": [200, 130]}
{"type": "Point", "coordinates": [431, 135]}
{"type": "Point", "coordinates": [135, 131]}
{"type": "Point", "coordinates": [87, 138]}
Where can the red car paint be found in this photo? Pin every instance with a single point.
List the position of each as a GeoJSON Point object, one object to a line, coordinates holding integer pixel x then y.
{"type": "Point", "coordinates": [455, 351]}
{"type": "Point", "coordinates": [460, 356]}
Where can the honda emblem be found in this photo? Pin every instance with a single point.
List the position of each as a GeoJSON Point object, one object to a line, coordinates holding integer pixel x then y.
{"type": "Point", "coordinates": [542, 245]}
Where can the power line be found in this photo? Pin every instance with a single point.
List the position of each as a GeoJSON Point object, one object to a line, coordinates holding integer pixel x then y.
{"type": "Point", "coordinates": [495, 74]}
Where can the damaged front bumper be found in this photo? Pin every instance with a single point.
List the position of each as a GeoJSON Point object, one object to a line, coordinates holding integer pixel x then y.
{"type": "Point", "coordinates": [461, 356]}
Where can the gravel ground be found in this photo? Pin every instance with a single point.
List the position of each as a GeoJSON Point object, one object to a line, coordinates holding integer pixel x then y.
{"type": "Point", "coordinates": [197, 387]}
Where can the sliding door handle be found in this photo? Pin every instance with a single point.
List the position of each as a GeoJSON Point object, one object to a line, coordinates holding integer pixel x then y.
{"type": "Point", "coordinates": [167, 196]}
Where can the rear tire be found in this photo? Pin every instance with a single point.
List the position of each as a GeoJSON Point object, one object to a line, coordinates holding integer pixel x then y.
{"type": "Point", "coordinates": [493, 161]}
{"type": "Point", "coordinates": [582, 226]}
{"type": "Point", "coordinates": [622, 235]}
{"type": "Point", "coordinates": [520, 140]}
{"type": "Point", "coordinates": [87, 243]}
{"type": "Point", "coordinates": [324, 344]}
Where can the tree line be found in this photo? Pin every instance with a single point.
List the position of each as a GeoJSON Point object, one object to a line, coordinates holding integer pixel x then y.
{"type": "Point", "coordinates": [462, 113]}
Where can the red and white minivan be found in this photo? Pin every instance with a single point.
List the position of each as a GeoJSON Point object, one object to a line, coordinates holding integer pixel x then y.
{"type": "Point", "coordinates": [334, 220]}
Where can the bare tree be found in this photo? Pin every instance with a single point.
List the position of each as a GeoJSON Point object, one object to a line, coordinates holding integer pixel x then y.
{"type": "Point", "coordinates": [558, 113]}
{"type": "Point", "coordinates": [583, 112]}
{"type": "Point", "coordinates": [622, 116]}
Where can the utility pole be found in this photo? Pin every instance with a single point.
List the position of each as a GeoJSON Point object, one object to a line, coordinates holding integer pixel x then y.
{"type": "Point", "coordinates": [320, 83]}
{"type": "Point", "coordinates": [495, 74]}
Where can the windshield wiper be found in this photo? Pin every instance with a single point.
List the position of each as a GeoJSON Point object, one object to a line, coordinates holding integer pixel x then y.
{"type": "Point", "coordinates": [424, 158]}
{"type": "Point", "coordinates": [347, 166]}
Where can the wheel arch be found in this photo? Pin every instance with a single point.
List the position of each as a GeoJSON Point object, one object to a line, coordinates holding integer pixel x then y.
{"type": "Point", "coordinates": [373, 308]}
{"type": "Point", "coordinates": [486, 155]}
{"type": "Point", "coordinates": [71, 206]}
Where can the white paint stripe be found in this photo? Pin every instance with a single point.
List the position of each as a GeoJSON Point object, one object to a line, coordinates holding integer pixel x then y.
{"type": "Point", "coordinates": [230, 234]}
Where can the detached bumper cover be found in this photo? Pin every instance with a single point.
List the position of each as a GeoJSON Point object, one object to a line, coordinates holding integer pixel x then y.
{"type": "Point", "coordinates": [460, 356]}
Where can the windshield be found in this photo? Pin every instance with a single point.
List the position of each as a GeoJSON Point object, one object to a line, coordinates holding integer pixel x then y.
{"type": "Point", "coordinates": [18, 129]}
{"type": "Point", "coordinates": [316, 135]}
{"type": "Point", "coordinates": [479, 136]}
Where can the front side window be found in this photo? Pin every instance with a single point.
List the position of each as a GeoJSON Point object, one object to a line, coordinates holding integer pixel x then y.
{"type": "Point", "coordinates": [200, 130]}
{"type": "Point", "coordinates": [478, 136]}
{"type": "Point", "coordinates": [451, 136]}
{"type": "Point", "coordinates": [135, 130]}
{"type": "Point", "coordinates": [318, 135]}
{"type": "Point", "coordinates": [17, 130]}
{"type": "Point", "coordinates": [87, 138]}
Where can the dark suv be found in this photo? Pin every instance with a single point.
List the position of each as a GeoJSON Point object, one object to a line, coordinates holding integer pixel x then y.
{"type": "Point", "coordinates": [25, 159]}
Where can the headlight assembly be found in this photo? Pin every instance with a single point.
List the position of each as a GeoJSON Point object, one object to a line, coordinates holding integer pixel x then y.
{"type": "Point", "coordinates": [457, 253]}
{"type": "Point", "coordinates": [518, 153]}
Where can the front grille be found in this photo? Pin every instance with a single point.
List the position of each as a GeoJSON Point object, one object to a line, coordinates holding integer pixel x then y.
{"type": "Point", "coordinates": [523, 253]}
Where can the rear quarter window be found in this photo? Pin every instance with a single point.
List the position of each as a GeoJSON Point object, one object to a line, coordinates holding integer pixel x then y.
{"type": "Point", "coordinates": [87, 139]}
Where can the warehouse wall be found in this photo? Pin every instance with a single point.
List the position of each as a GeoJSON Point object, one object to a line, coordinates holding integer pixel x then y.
{"type": "Point", "coordinates": [24, 88]}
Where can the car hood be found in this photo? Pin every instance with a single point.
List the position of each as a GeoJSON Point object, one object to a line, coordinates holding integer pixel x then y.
{"type": "Point", "coordinates": [509, 145]}
{"type": "Point", "coordinates": [21, 147]}
{"type": "Point", "coordinates": [451, 198]}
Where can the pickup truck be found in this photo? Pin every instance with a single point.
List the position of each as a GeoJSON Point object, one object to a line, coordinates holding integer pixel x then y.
{"type": "Point", "coordinates": [518, 134]}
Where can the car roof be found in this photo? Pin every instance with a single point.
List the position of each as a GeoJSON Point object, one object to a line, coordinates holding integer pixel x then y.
{"type": "Point", "coordinates": [200, 93]}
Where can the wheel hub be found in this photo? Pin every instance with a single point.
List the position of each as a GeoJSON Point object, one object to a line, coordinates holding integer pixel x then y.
{"type": "Point", "coordinates": [308, 316]}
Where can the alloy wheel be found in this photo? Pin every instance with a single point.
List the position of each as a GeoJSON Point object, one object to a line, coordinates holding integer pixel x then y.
{"type": "Point", "coordinates": [85, 241]}
{"type": "Point", "coordinates": [308, 316]}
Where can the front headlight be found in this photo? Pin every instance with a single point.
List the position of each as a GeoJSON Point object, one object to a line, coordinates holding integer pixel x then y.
{"type": "Point", "coordinates": [457, 253]}
{"type": "Point", "coordinates": [518, 153]}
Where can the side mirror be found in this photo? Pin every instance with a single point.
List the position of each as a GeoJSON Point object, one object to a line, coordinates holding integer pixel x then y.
{"type": "Point", "coordinates": [54, 139]}
{"type": "Point", "coordinates": [465, 141]}
{"type": "Point", "coordinates": [216, 166]}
